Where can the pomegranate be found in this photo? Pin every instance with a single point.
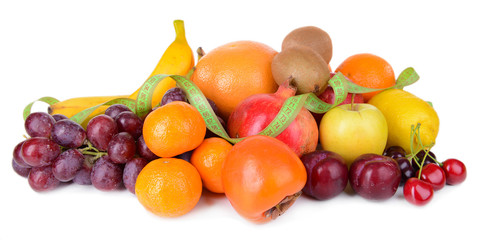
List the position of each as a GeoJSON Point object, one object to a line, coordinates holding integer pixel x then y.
{"type": "Point", "coordinates": [254, 114]}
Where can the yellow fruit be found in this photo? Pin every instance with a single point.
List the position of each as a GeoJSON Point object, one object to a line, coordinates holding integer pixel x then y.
{"type": "Point", "coordinates": [403, 110]}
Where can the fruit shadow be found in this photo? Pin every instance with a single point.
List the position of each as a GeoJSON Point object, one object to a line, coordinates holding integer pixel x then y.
{"type": "Point", "coordinates": [209, 198]}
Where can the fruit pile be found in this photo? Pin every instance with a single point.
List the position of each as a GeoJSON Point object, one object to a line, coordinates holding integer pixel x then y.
{"type": "Point", "coordinates": [258, 126]}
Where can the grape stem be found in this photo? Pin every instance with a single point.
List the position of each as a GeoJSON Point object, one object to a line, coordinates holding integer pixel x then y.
{"type": "Point", "coordinates": [92, 151]}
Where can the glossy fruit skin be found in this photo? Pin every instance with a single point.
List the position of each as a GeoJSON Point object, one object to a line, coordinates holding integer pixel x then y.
{"type": "Point", "coordinates": [41, 179]}
{"type": "Point", "coordinates": [17, 156]}
{"type": "Point", "coordinates": [20, 170]}
{"type": "Point", "coordinates": [130, 173]}
{"type": "Point", "coordinates": [173, 94]}
{"type": "Point", "coordinates": [115, 109]}
{"type": "Point", "coordinates": [100, 130]}
{"type": "Point", "coordinates": [418, 192]}
{"type": "Point", "coordinates": [407, 170]}
{"type": "Point", "coordinates": [129, 122]}
{"type": "Point", "coordinates": [67, 164]}
{"type": "Point", "coordinates": [434, 175]}
{"type": "Point", "coordinates": [143, 150]}
{"type": "Point", "coordinates": [258, 173]}
{"type": "Point", "coordinates": [256, 112]}
{"type": "Point", "coordinates": [327, 174]}
{"type": "Point", "coordinates": [374, 176]}
{"type": "Point", "coordinates": [121, 148]}
{"type": "Point", "coordinates": [420, 155]}
{"type": "Point", "coordinates": [395, 152]}
{"type": "Point", "coordinates": [455, 171]}
{"type": "Point", "coordinates": [351, 132]}
{"type": "Point", "coordinates": [39, 151]}
{"type": "Point", "coordinates": [39, 124]}
{"type": "Point", "coordinates": [68, 133]}
{"type": "Point", "coordinates": [106, 175]}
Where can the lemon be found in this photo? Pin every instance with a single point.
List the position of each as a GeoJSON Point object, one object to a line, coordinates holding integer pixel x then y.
{"type": "Point", "coordinates": [403, 110]}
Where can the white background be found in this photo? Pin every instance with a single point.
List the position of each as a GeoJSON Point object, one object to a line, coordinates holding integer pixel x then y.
{"type": "Point", "coordinates": [67, 49]}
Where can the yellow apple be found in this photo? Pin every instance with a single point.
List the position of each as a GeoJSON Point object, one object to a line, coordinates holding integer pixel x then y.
{"type": "Point", "coordinates": [353, 130]}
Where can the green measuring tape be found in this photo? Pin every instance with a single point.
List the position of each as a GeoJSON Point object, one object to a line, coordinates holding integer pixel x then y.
{"type": "Point", "coordinates": [288, 112]}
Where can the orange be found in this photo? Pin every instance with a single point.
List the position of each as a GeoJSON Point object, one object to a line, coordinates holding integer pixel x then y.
{"type": "Point", "coordinates": [262, 177]}
{"type": "Point", "coordinates": [168, 187]}
{"type": "Point", "coordinates": [368, 70]}
{"type": "Point", "coordinates": [208, 159]}
{"type": "Point", "coordinates": [232, 72]}
{"type": "Point", "coordinates": [173, 129]}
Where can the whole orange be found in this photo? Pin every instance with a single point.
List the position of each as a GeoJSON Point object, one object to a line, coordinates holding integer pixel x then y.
{"type": "Point", "coordinates": [232, 72]}
{"type": "Point", "coordinates": [173, 129]}
{"type": "Point", "coordinates": [208, 159]}
{"type": "Point", "coordinates": [368, 70]}
{"type": "Point", "coordinates": [262, 177]}
{"type": "Point", "coordinates": [168, 187]}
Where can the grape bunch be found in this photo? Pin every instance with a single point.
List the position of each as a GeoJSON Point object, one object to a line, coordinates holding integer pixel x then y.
{"type": "Point", "coordinates": [109, 154]}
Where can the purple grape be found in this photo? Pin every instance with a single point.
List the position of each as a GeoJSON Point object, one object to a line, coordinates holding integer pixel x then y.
{"type": "Point", "coordinates": [39, 151]}
{"type": "Point", "coordinates": [121, 148]}
{"type": "Point", "coordinates": [100, 130]}
{"type": "Point", "coordinates": [185, 156]}
{"type": "Point", "coordinates": [83, 176]}
{"type": "Point", "coordinates": [106, 175]}
{"type": "Point", "coordinates": [17, 156]}
{"type": "Point", "coordinates": [59, 117]}
{"type": "Point", "coordinates": [68, 133]}
{"type": "Point", "coordinates": [39, 124]}
{"type": "Point", "coordinates": [213, 106]}
{"type": "Point", "coordinates": [173, 94]}
{"type": "Point", "coordinates": [130, 123]}
{"type": "Point", "coordinates": [210, 134]}
{"type": "Point", "coordinates": [42, 179]}
{"type": "Point", "coordinates": [116, 109]}
{"type": "Point", "coordinates": [131, 171]}
{"type": "Point", "coordinates": [67, 164]}
{"type": "Point", "coordinates": [22, 171]}
{"type": "Point", "coordinates": [144, 151]}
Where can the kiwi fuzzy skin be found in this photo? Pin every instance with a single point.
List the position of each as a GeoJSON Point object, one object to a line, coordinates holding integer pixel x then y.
{"type": "Point", "coordinates": [313, 37]}
{"type": "Point", "coordinates": [304, 68]}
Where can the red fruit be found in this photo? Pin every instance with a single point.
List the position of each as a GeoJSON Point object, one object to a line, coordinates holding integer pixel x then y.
{"type": "Point", "coordinates": [328, 97]}
{"type": "Point", "coordinates": [455, 171]}
{"type": "Point", "coordinates": [434, 175]}
{"type": "Point", "coordinates": [418, 192]}
{"type": "Point", "coordinates": [254, 114]}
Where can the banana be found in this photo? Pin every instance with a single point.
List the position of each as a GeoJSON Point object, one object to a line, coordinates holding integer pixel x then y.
{"type": "Point", "coordinates": [177, 59]}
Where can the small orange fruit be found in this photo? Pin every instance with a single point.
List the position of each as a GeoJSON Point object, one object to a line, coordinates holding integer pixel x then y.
{"type": "Point", "coordinates": [173, 129]}
{"type": "Point", "coordinates": [208, 159]}
{"type": "Point", "coordinates": [168, 187]}
{"type": "Point", "coordinates": [232, 72]}
{"type": "Point", "coordinates": [368, 70]}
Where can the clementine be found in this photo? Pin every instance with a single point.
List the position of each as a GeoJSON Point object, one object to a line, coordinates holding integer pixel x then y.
{"type": "Point", "coordinates": [232, 72]}
{"type": "Point", "coordinates": [368, 70]}
{"type": "Point", "coordinates": [208, 159]}
{"type": "Point", "coordinates": [168, 187]}
{"type": "Point", "coordinates": [173, 129]}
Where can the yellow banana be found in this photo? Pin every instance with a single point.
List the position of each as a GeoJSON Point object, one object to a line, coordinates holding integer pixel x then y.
{"type": "Point", "coordinates": [178, 59]}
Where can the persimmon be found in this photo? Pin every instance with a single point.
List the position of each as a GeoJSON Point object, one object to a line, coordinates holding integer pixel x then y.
{"type": "Point", "coordinates": [262, 177]}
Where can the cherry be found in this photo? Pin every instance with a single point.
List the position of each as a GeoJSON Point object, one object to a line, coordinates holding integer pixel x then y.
{"type": "Point", "coordinates": [395, 152]}
{"type": "Point", "coordinates": [420, 155]}
{"type": "Point", "coordinates": [455, 171]}
{"type": "Point", "coordinates": [406, 169]}
{"type": "Point", "coordinates": [418, 192]}
{"type": "Point", "coordinates": [434, 175]}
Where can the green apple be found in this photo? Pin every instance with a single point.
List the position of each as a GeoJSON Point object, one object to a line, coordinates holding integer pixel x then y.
{"type": "Point", "coordinates": [352, 130]}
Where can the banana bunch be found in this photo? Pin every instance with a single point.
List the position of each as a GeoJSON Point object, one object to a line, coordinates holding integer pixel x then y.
{"type": "Point", "coordinates": [178, 59]}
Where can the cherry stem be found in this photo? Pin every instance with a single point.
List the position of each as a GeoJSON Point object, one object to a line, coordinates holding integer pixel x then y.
{"type": "Point", "coordinates": [415, 132]}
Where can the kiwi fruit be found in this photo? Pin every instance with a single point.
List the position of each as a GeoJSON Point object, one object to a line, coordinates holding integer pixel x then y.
{"type": "Point", "coordinates": [312, 37]}
{"type": "Point", "coordinates": [304, 68]}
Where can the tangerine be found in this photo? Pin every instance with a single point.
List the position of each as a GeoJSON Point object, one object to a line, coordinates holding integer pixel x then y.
{"type": "Point", "coordinates": [208, 159]}
{"type": "Point", "coordinates": [234, 71]}
{"type": "Point", "coordinates": [173, 129]}
{"type": "Point", "coordinates": [262, 177]}
{"type": "Point", "coordinates": [368, 70]}
{"type": "Point", "coordinates": [168, 187]}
